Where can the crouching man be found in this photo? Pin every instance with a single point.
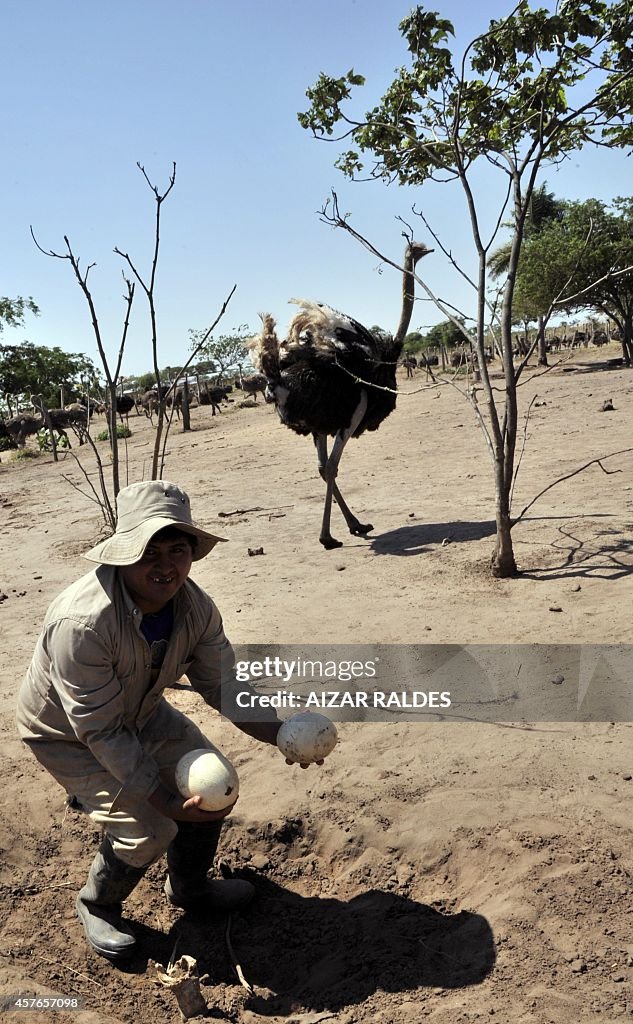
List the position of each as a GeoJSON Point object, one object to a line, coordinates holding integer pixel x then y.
{"type": "Point", "coordinates": [91, 709]}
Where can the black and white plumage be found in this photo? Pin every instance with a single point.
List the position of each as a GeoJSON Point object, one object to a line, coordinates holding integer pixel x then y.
{"type": "Point", "coordinates": [331, 377]}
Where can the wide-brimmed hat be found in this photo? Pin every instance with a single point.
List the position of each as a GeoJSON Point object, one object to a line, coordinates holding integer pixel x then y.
{"type": "Point", "coordinates": [142, 510]}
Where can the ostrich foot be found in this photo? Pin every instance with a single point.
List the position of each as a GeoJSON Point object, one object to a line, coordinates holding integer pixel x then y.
{"type": "Point", "coordinates": [329, 542]}
{"type": "Point", "coordinates": [360, 529]}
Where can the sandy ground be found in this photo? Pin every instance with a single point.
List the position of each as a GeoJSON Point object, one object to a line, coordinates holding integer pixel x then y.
{"type": "Point", "coordinates": [449, 871]}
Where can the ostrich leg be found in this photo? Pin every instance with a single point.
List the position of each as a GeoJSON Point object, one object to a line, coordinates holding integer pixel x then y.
{"type": "Point", "coordinates": [328, 469]}
{"type": "Point", "coordinates": [354, 525]}
{"type": "Point", "coordinates": [325, 537]}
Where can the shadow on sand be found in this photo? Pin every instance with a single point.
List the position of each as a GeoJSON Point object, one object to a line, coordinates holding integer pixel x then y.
{"type": "Point", "coordinates": [324, 954]}
{"type": "Point", "coordinates": [415, 540]}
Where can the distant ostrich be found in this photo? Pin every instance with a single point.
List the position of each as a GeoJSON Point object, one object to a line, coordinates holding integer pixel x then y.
{"type": "Point", "coordinates": [149, 403]}
{"type": "Point", "coordinates": [320, 380]}
{"type": "Point", "coordinates": [6, 435]}
{"type": "Point", "coordinates": [409, 363]}
{"type": "Point", "coordinates": [252, 385]}
{"type": "Point", "coordinates": [124, 406]}
{"type": "Point", "coordinates": [23, 424]}
{"type": "Point", "coordinates": [214, 395]}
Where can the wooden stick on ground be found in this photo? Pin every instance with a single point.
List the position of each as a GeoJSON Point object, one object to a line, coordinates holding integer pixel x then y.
{"type": "Point", "coordinates": [227, 872]}
{"type": "Point", "coordinates": [236, 967]}
{"type": "Point", "coordinates": [56, 963]}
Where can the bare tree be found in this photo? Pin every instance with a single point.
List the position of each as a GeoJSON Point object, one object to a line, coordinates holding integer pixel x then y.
{"type": "Point", "coordinates": [113, 376]}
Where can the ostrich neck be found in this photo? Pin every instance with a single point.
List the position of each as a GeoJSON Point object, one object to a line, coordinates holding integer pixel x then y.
{"type": "Point", "coordinates": [408, 293]}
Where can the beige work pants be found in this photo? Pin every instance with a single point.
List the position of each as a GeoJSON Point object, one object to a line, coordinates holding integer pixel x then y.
{"type": "Point", "coordinates": [139, 834]}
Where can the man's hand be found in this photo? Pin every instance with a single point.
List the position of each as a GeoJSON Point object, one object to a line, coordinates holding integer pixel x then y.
{"type": "Point", "coordinates": [174, 806]}
{"type": "Point", "coordinates": [265, 732]}
{"type": "Point", "coordinates": [303, 765]}
{"type": "Point", "coordinates": [195, 813]}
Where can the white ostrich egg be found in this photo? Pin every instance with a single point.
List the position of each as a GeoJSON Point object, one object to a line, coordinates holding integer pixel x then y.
{"type": "Point", "coordinates": [207, 773]}
{"type": "Point", "coordinates": [307, 737]}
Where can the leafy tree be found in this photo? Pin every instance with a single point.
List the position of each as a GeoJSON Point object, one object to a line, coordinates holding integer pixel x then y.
{"type": "Point", "coordinates": [413, 342]}
{"type": "Point", "coordinates": [141, 382]}
{"type": "Point", "coordinates": [602, 243]}
{"type": "Point", "coordinates": [447, 334]}
{"type": "Point", "coordinates": [43, 371]}
{"type": "Point", "coordinates": [12, 311]}
{"type": "Point", "coordinates": [544, 209]}
{"type": "Point", "coordinates": [171, 372]}
{"type": "Point", "coordinates": [534, 87]}
{"type": "Point", "coordinates": [226, 353]}
{"type": "Point", "coordinates": [575, 263]}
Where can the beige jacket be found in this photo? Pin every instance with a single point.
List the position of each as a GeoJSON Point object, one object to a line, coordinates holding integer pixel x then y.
{"type": "Point", "coordinates": [87, 699]}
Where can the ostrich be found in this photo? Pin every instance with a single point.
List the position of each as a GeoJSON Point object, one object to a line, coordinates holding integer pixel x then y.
{"type": "Point", "coordinates": [252, 385]}
{"type": "Point", "coordinates": [320, 379]}
{"type": "Point", "coordinates": [23, 424]}
{"type": "Point", "coordinates": [124, 405]}
{"type": "Point", "coordinates": [213, 396]}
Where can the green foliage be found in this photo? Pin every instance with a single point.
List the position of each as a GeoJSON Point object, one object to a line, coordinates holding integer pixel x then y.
{"type": "Point", "coordinates": [43, 371]}
{"type": "Point", "coordinates": [121, 431]}
{"type": "Point", "coordinates": [413, 342]}
{"type": "Point", "coordinates": [515, 89]}
{"type": "Point", "coordinates": [204, 366]}
{"type": "Point", "coordinates": [570, 255]}
{"type": "Point", "coordinates": [44, 442]}
{"type": "Point", "coordinates": [223, 354]}
{"type": "Point", "coordinates": [170, 373]}
{"type": "Point", "coordinates": [543, 208]}
{"type": "Point", "coordinates": [12, 311]}
{"type": "Point", "coordinates": [533, 293]}
{"type": "Point", "coordinates": [141, 382]}
{"type": "Point", "coordinates": [445, 334]}
{"type": "Point", "coordinates": [575, 260]}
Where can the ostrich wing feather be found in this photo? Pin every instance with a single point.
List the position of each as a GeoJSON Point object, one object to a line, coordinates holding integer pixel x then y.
{"type": "Point", "coordinates": [324, 329]}
{"type": "Point", "coordinates": [264, 348]}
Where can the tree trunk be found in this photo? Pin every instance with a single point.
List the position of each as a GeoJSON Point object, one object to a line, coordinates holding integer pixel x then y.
{"type": "Point", "coordinates": [542, 347]}
{"type": "Point", "coordinates": [158, 436]}
{"type": "Point", "coordinates": [503, 562]}
{"type": "Point", "coordinates": [627, 342]}
{"type": "Point", "coordinates": [114, 439]}
{"type": "Point", "coordinates": [186, 417]}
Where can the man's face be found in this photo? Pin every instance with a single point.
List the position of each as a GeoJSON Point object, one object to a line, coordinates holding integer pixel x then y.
{"type": "Point", "coordinates": [160, 573]}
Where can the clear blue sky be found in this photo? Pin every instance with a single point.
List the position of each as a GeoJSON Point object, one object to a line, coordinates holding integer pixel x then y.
{"type": "Point", "coordinates": [215, 86]}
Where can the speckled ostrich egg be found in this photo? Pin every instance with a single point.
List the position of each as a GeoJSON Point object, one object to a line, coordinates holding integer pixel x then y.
{"type": "Point", "coordinates": [207, 773]}
{"type": "Point", "coordinates": [307, 737]}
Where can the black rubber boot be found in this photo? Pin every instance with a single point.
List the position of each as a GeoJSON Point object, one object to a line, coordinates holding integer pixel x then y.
{"type": "Point", "coordinates": [109, 882]}
{"type": "Point", "coordinates": [189, 857]}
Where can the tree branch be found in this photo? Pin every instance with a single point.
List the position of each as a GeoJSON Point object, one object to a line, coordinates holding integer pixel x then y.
{"type": "Point", "coordinates": [568, 476]}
